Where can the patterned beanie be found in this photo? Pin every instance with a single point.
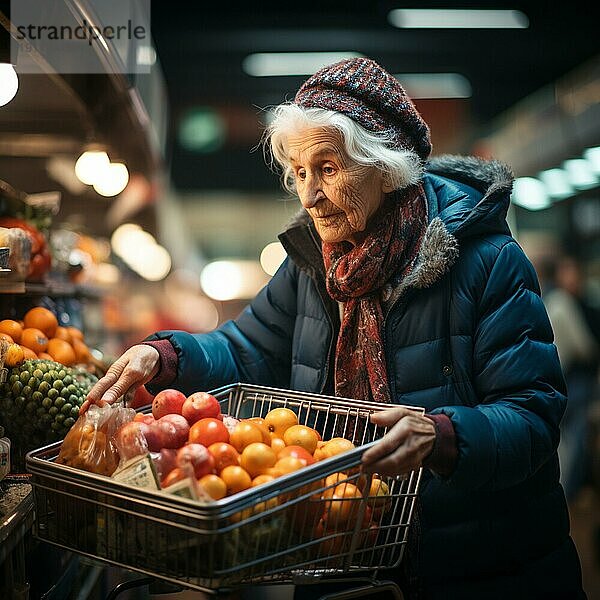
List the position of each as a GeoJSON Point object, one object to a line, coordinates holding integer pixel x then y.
{"type": "Point", "coordinates": [362, 90]}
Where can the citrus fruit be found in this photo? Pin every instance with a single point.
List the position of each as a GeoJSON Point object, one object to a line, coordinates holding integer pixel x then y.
{"type": "Point", "coordinates": [60, 351]}
{"type": "Point", "coordinates": [29, 353]}
{"type": "Point", "coordinates": [277, 444]}
{"type": "Point", "coordinates": [244, 434]}
{"type": "Point", "coordinates": [236, 479]}
{"type": "Point", "coordinates": [260, 423]}
{"type": "Point", "coordinates": [301, 435]}
{"type": "Point", "coordinates": [43, 319]}
{"type": "Point", "coordinates": [260, 479]}
{"type": "Point", "coordinates": [11, 328]}
{"type": "Point", "coordinates": [297, 452]}
{"type": "Point", "coordinates": [336, 446]}
{"type": "Point", "coordinates": [62, 333]}
{"type": "Point", "coordinates": [257, 458]}
{"type": "Point", "coordinates": [214, 486]}
{"type": "Point", "coordinates": [279, 420]}
{"type": "Point", "coordinates": [82, 352]}
{"type": "Point", "coordinates": [34, 339]}
{"type": "Point", "coordinates": [288, 464]}
{"type": "Point", "coordinates": [76, 334]}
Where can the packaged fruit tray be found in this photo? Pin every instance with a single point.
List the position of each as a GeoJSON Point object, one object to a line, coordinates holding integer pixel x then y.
{"type": "Point", "coordinates": [327, 520]}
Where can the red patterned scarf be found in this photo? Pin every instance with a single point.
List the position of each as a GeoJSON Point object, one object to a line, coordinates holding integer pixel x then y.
{"type": "Point", "coordinates": [355, 276]}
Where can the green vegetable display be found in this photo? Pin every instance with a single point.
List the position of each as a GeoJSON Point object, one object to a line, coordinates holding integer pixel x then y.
{"type": "Point", "coordinates": [39, 402]}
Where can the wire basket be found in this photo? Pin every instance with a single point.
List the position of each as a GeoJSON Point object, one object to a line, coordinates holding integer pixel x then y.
{"type": "Point", "coordinates": [289, 530]}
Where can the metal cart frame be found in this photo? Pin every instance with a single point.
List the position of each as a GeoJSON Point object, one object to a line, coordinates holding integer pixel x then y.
{"type": "Point", "coordinates": [280, 532]}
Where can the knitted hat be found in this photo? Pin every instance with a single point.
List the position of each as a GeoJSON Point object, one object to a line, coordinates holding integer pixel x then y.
{"type": "Point", "coordinates": [362, 90]}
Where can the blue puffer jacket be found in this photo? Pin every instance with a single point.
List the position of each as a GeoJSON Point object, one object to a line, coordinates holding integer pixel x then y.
{"type": "Point", "coordinates": [467, 335]}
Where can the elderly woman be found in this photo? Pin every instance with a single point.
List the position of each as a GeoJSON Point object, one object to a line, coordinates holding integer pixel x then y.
{"type": "Point", "coordinates": [403, 285]}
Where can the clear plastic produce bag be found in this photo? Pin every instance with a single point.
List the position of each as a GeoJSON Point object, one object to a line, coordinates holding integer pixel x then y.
{"type": "Point", "coordinates": [90, 444]}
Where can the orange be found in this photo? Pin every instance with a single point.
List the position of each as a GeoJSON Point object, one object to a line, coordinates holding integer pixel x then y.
{"type": "Point", "coordinates": [76, 334]}
{"type": "Point", "coordinates": [288, 464]}
{"type": "Point", "coordinates": [14, 355]}
{"type": "Point", "coordinates": [11, 328]}
{"type": "Point", "coordinates": [254, 510]}
{"type": "Point", "coordinates": [34, 339]}
{"type": "Point", "coordinates": [277, 444]}
{"type": "Point", "coordinates": [379, 496]}
{"type": "Point", "coordinates": [279, 420]}
{"type": "Point", "coordinates": [336, 446]}
{"type": "Point", "coordinates": [262, 479]}
{"type": "Point", "coordinates": [236, 479]}
{"type": "Point", "coordinates": [62, 333]}
{"type": "Point", "coordinates": [29, 353]}
{"type": "Point", "coordinates": [343, 505]}
{"type": "Point", "coordinates": [82, 352]}
{"type": "Point", "coordinates": [331, 482]}
{"type": "Point", "coordinates": [61, 351]}
{"type": "Point", "coordinates": [224, 454]}
{"type": "Point", "coordinates": [303, 436]}
{"type": "Point", "coordinates": [5, 336]}
{"type": "Point", "coordinates": [45, 356]}
{"type": "Point", "coordinates": [214, 486]}
{"type": "Point", "coordinates": [43, 319]}
{"type": "Point", "coordinates": [244, 434]}
{"type": "Point", "coordinates": [260, 423]}
{"type": "Point", "coordinates": [257, 458]}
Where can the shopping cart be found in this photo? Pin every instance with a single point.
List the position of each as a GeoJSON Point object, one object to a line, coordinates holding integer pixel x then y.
{"type": "Point", "coordinates": [288, 530]}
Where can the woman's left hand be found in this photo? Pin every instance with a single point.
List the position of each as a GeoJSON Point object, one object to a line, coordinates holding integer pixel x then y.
{"type": "Point", "coordinates": [408, 442]}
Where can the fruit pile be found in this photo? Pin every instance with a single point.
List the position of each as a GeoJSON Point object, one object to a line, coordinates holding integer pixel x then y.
{"type": "Point", "coordinates": [39, 335]}
{"type": "Point", "coordinates": [40, 400]}
{"type": "Point", "coordinates": [229, 455]}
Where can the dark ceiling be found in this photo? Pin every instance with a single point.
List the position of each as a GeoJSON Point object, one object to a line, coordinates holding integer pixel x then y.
{"type": "Point", "coordinates": [201, 49]}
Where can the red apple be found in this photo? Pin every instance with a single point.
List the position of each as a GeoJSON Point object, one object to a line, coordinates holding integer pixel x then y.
{"type": "Point", "coordinates": [153, 434]}
{"type": "Point", "coordinates": [174, 430]}
{"type": "Point", "coordinates": [167, 402]}
{"type": "Point", "coordinates": [199, 457]}
{"type": "Point", "coordinates": [130, 440]}
{"type": "Point", "coordinates": [230, 422]}
{"type": "Point", "coordinates": [142, 397]}
{"type": "Point", "coordinates": [165, 462]}
{"type": "Point", "coordinates": [200, 405]}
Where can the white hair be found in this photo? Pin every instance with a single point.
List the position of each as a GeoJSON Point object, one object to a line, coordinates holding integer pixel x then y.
{"type": "Point", "coordinates": [400, 167]}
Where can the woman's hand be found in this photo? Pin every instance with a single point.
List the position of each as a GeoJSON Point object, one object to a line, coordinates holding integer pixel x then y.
{"type": "Point", "coordinates": [404, 447]}
{"type": "Point", "coordinates": [136, 366]}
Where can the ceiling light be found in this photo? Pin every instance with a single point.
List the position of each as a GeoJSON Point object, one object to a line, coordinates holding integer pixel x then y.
{"type": "Point", "coordinates": [530, 193]}
{"type": "Point", "coordinates": [112, 180]}
{"type": "Point", "coordinates": [580, 173]}
{"type": "Point", "coordinates": [232, 279]}
{"type": "Point", "coordinates": [202, 130]}
{"type": "Point", "coordinates": [274, 64]}
{"type": "Point", "coordinates": [557, 183]}
{"type": "Point", "coordinates": [456, 18]}
{"type": "Point", "coordinates": [90, 164]}
{"type": "Point", "coordinates": [592, 155]}
{"type": "Point", "coordinates": [435, 85]}
{"type": "Point", "coordinates": [271, 257]}
{"type": "Point", "coordinates": [9, 83]}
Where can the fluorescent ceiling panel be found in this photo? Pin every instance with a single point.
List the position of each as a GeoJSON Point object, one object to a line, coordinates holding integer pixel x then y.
{"type": "Point", "coordinates": [275, 64]}
{"type": "Point", "coordinates": [457, 18]}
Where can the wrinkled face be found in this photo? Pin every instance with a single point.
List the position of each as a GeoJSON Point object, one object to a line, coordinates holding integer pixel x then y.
{"type": "Point", "coordinates": [339, 194]}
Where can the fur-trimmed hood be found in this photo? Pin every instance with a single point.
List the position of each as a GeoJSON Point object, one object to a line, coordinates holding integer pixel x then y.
{"type": "Point", "coordinates": [466, 196]}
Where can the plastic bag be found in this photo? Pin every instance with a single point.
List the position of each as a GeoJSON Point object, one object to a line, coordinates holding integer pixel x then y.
{"type": "Point", "coordinates": [90, 445]}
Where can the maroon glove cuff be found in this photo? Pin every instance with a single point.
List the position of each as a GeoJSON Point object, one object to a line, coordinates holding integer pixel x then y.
{"type": "Point", "coordinates": [443, 457]}
{"type": "Point", "coordinates": [167, 371]}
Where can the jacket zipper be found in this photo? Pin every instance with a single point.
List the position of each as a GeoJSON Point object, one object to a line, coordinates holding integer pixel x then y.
{"type": "Point", "coordinates": [332, 327]}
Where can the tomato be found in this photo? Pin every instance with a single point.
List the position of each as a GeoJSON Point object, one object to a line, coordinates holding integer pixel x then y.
{"type": "Point", "coordinates": [224, 455]}
{"type": "Point", "coordinates": [257, 458]}
{"type": "Point", "coordinates": [208, 431]}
